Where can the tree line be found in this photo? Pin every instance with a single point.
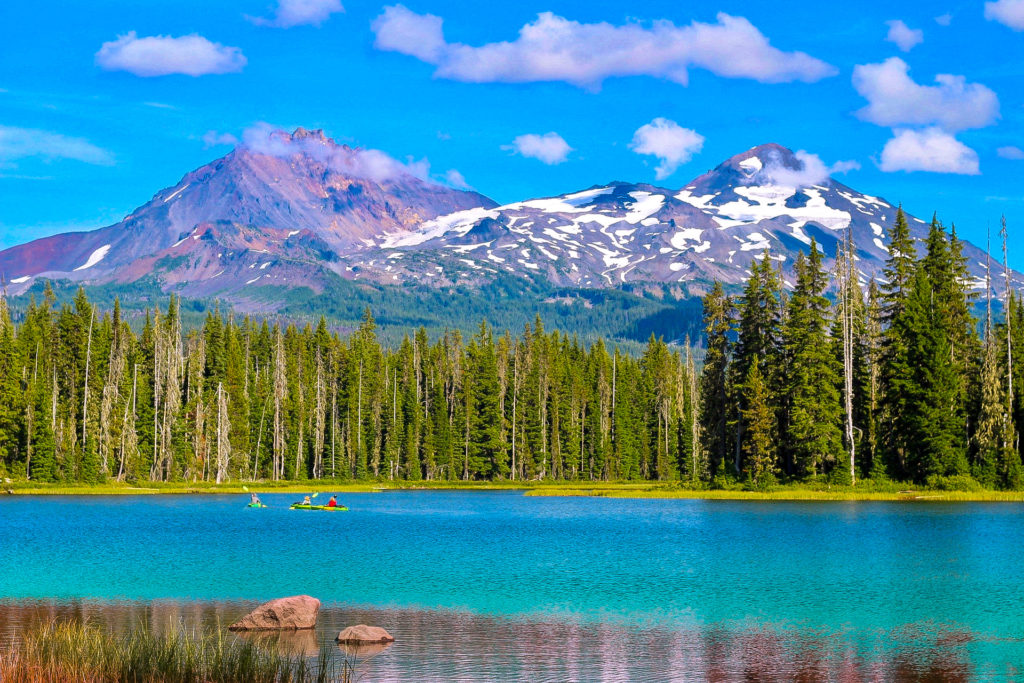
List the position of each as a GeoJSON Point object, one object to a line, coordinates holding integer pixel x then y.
{"type": "Point", "coordinates": [85, 399]}
{"type": "Point", "coordinates": [827, 379]}
{"type": "Point", "coordinates": [889, 379]}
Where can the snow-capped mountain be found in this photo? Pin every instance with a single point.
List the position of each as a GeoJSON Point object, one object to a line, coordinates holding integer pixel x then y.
{"type": "Point", "coordinates": [299, 210]}
{"type": "Point", "coordinates": [763, 199]}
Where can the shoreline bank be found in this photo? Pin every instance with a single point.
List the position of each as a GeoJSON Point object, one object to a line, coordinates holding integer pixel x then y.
{"type": "Point", "coordinates": [633, 490]}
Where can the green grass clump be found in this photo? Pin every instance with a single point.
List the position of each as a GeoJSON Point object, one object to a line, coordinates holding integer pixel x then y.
{"type": "Point", "coordinates": [69, 651]}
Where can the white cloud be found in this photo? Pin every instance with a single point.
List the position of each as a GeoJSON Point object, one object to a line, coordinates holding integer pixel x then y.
{"type": "Point", "coordinates": [369, 164]}
{"type": "Point", "coordinates": [553, 48]}
{"type": "Point", "coordinates": [550, 148]}
{"type": "Point", "coordinates": [944, 19]}
{"type": "Point", "coordinates": [290, 13]}
{"type": "Point", "coordinates": [399, 29]}
{"type": "Point", "coordinates": [192, 55]}
{"type": "Point", "coordinates": [22, 143]}
{"type": "Point", "coordinates": [1011, 152]}
{"type": "Point", "coordinates": [810, 170]}
{"type": "Point", "coordinates": [1007, 12]}
{"type": "Point", "coordinates": [669, 142]}
{"type": "Point", "coordinates": [894, 99]}
{"type": "Point", "coordinates": [904, 36]}
{"type": "Point", "coordinates": [931, 149]}
{"type": "Point", "coordinates": [212, 138]}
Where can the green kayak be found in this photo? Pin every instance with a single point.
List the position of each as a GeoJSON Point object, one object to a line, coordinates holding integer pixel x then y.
{"type": "Point", "coordinates": [300, 506]}
{"type": "Point", "coordinates": [255, 505]}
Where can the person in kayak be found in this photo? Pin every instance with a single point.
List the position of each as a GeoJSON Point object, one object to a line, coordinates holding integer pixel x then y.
{"type": "Point", "coordinates": [254, 500]}
{"type": "Point", "coordinates": [307, 501]}
{"type": "Point", "coordinates": [333, 502]}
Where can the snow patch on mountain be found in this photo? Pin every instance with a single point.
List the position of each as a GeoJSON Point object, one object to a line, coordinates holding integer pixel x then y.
{"type": "Point", "coordinates": [94, 258]}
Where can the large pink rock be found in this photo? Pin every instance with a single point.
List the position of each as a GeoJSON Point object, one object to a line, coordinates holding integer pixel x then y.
{"type": "Point", "coordinates": [296, 612]}
{"type": "Point", "coordinates": [364, 635]}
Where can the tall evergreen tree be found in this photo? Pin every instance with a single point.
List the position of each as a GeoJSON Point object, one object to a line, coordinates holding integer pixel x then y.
{"type": "Point", "coordinates": [813, 439]}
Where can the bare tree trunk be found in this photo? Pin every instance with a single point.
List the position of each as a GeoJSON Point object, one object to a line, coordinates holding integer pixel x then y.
{"type": "Point", "coordinates": [847, 284]}
{"type": "Point", "coordinates": [1006, 306]}
{"type": "Point", "coordinates": [223, 441]}
{"type": "Point", "coordinates": [259, 440]}
{"type": "Point", "coordinates": [85, 392]}
{"type": "Point", "coordinates": [280, 388]}
{"type": "Point", "coordinates": [515, 401]}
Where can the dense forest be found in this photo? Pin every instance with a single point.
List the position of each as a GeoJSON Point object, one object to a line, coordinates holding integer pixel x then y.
{"type": "Point", "coordinates": [82, 398]}
{"type": "Point", "coordinates": [828, 378]}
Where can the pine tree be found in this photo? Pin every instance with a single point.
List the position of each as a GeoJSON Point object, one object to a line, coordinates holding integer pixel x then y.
{"type": "Point", "coordinates": [760, 419]}
{"type": "Point", "coordinates": [895, 367]}
{"type": "Point", "coordinates": [714, 389]}
{"type": "Point", "coordinates": [813, 437]}
{"type": "Point", "coordinates": [760, 318]}
{"type": "Point", "coordinates": [929, 417]}
{"type": "Point", "coordinates": [487, 457]}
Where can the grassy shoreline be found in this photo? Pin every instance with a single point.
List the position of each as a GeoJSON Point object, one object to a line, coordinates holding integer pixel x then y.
{"type": "Point", "coordinates": [868, 491]}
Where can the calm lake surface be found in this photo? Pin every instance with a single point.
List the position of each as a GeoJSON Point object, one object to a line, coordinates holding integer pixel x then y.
{"type": "Point", "coordinates": [498, 586]}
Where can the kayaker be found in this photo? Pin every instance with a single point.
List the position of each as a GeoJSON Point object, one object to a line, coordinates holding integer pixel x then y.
{"type": "Point", "coordinates": [254, 500]}
{"type": "Point", "coordinates": [307, 501]}
{"type": "Point", "coordinates": [333, 502]}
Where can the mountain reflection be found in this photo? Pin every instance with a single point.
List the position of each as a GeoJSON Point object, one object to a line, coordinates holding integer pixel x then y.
{"type": "Point", "coordinates": [446, 645]}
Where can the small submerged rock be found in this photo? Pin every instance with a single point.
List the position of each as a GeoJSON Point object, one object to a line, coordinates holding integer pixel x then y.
{"type": "Point", "coordinates": [284, 614]}
{"type": "Point", "coordinates": [364, 635]}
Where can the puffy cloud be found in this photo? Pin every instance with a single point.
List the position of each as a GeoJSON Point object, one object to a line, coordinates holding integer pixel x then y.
{"type": "Point", "coordinates": [944, 19]}
{"type": "Point", "coordinates": [931, 149]}
{"type": "Point", "coordinates": [290, 13]}
{"type": "Point", "coordinates": [809, 170]}
{"type": "Point", "coordinates": [549, 148]}
{"type": "Point", "coordinates": [192, 55]}
{"type": "Point", "coordinates": [368, 164]}
{"type": "Point", "coordinates": [669, 142]}
{"type": "Point", "coordinates": [212, 138]}
{"type": "Point", "coordinates": [894, 99]}
{"type": "Point", "coordinates": [904, 36]}
{"type": "Point", "coordinates": [399, 29]}
{"type": "Point", "coordinates": [22, 143]}
{"type": "Point", "coordinates": [1011, 152]}
{"type": "Point", "coordinates": [553, 48]}
{"type": "Point", "coordinates": [1007, 12]}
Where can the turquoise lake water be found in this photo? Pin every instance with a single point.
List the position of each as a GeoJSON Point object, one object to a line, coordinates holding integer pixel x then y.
{"type": "Point", "coordinates": [857, 587]}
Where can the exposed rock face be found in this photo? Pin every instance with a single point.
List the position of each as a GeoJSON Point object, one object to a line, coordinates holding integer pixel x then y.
{"type": "Point", "coordinates": [292, 613]}
{"type": "Point", "coordinates": [364, 635]}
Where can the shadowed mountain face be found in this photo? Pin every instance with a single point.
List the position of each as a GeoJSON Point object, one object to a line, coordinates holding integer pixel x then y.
{"type": "Point", "coordinates": [298, 210]}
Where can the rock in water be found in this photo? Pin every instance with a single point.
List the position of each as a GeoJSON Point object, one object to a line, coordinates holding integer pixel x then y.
{"type": "Point", "coordinates": [293, 613]}
{"type": "Point", "coordinates": [363, 634]}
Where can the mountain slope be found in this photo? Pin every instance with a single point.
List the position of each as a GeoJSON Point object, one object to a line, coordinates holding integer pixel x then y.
{"type": "Point", "coordinates": [290, 211]}
{"type": "Point", "coordinates": [298, 183]}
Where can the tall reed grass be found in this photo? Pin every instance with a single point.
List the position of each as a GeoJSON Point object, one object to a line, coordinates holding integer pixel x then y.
{"type": "Point", "coordinates": [70, 652]}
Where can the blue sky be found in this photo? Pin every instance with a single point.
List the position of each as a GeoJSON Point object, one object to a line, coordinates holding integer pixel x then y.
{"type": "Point", "coordinates": [98, 110]}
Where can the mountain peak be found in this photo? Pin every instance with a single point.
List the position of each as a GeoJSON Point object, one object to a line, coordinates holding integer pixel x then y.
{"type": "Point", "coordinates": [317, 134]}
{"type": "Point", "coordinates": [768, 164]}
{"type": "Point", "coordinates": [755, 159]}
